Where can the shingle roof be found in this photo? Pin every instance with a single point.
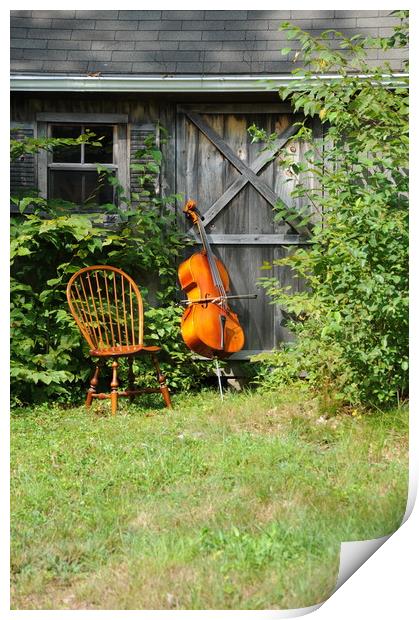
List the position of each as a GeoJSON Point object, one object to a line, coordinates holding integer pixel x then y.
{"type": "Point", "coordinates": [174, 42]}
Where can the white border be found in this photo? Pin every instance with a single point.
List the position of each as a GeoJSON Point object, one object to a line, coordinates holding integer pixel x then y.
{"type": "Point", "coordinates": [386, 586]}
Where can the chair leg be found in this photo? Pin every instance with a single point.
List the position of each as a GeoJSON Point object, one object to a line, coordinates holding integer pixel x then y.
{"type": "Point", "coordinates": [162, 381]}
{"type": "Point", "coordinates": [93, 385]}
{"type": "Point", "coordinates": [131, 378]}
{"type": "Point", "coordinates": [114, 386]}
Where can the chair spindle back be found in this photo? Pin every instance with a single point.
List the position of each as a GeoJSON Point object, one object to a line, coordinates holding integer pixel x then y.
{"type": "Point", "coordinates": [107, 307]}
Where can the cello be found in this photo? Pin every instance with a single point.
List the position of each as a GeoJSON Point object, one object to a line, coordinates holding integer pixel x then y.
{"type": "Point", "coordinates": [209, 327]}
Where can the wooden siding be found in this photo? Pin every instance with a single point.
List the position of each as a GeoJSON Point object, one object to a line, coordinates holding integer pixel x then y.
{"type": "Point", "coordinates": [234, 186]}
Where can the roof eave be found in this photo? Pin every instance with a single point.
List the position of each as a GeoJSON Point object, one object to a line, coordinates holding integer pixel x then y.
{"type": "Point", "coordinates": [168, 83]}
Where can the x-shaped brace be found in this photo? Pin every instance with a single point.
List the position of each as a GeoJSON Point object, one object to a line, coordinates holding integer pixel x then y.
{"type": "Point", "coordinates": [248, 174]}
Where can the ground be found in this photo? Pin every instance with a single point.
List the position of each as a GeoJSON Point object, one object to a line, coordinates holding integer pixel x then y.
{"type": "Point", "coordinates": [234, 505]}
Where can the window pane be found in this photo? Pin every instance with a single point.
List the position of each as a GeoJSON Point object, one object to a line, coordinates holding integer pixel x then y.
{"type": "Point", "coordinates": [100, 154]}
{"type": "Point", "coordinates": [81, 188]}
{"type": "Point", "coordinates": [65, 185]}
{"type": "Point", "coordinates": [67, 154]}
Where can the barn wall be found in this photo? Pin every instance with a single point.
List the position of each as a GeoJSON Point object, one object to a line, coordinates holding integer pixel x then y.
{"type": "Point", "coordinates": [139, 109]}
{"type": "Point", "coordinates": [196, 168]}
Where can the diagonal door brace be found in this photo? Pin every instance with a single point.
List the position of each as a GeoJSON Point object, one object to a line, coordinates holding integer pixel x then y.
{"type": "Point", "coordinates": [255, 166]}
{"type": "Point", "coordinates": [248, 174]}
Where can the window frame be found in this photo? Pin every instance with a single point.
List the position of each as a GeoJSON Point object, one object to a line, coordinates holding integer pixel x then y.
{"type": "Point", "coordinates": [46, 120]}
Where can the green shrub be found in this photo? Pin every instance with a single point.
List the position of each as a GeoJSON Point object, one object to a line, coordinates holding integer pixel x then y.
{"type": "Point", "coordinates": [51, 241]}
{"type": "Point", "coordinates": [351, 322]}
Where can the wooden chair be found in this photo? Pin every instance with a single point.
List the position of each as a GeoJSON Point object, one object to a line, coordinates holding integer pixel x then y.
{"type": "Point", "coordinates": [108, 309]}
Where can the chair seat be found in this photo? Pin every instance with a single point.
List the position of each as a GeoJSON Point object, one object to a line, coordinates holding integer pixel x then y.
{"type": "Point", "coordinates": [132, 349]}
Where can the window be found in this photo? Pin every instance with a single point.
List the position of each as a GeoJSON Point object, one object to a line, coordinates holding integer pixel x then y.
{"type": "Point", "coordinates": [69, 173]}
{"type": "Point", "coordinates": [72, 170]}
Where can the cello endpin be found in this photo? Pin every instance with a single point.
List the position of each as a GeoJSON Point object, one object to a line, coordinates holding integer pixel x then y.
{"type": "Point", "coordinates": [218, 373]}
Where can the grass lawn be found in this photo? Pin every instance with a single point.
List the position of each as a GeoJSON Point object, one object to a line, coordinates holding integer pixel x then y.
{"type": "Point", "coordinates": [234, 505]}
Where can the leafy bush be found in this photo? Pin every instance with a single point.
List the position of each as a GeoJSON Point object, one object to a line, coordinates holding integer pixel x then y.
{"type": "Point", "coordinates": [50, 241]}
{"type": "Point", "coordinates": [351, 321]}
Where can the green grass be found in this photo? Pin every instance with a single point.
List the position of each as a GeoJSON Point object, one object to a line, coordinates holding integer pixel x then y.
{"type": "Point", "coordinates": [240, 505]}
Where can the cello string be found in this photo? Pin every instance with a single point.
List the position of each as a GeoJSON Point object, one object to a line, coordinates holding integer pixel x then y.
{"type": "Point", "coordinates": [214, 270]}
{"type": "Point", "coordinates": [218, 373]}
{"type": "Point", "coordinates": [213, 267]}
{"type": "Point", "coordinates": [209, 254]}
{"type": "Point", "coordinates": [217, 281]}
{"type": "Point", "coordinates": [205, 244]}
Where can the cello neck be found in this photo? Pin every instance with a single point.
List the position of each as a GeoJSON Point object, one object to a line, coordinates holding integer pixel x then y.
{"type": "Point", "coordinates": [204, 238]}
{"type": "Point", "coordinates": [211, 259]}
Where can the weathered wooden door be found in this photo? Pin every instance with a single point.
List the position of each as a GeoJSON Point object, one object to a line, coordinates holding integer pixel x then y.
{"type": "Point", "coordinates": [235, 184]}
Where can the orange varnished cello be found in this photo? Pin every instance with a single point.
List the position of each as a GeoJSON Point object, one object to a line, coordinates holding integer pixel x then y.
{"type": "Point", "coordinates": [209, 327]}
